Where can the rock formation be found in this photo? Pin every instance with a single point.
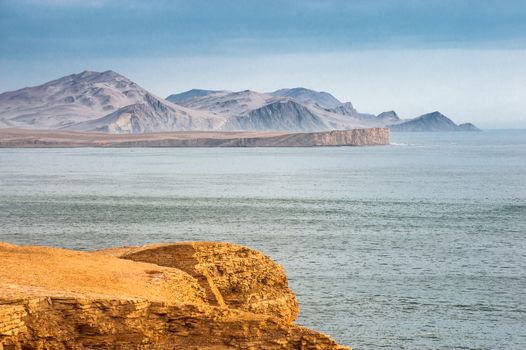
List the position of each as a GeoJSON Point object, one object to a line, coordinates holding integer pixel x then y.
{"type": "Point", "coordinates": [199, 295]}
{"type": "Point", "coordinates": [40, 138]}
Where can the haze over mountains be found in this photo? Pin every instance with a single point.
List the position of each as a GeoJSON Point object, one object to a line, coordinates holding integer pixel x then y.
{"type": "Point", "coordinates": [110, 102]}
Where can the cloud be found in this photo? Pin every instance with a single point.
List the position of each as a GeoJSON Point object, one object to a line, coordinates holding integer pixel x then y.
{"type": "Point", "coordinates": [356, 48]}
{"type": "Point", "coordinates": [123, 4]}
{"type": "Point", "coordinates": [59, 3]}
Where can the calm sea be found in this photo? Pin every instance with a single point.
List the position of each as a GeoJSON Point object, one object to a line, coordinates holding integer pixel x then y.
{"type": "Point", "coordinates": [416, 245]}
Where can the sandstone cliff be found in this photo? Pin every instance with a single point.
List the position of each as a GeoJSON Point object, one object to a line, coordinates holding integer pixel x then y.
{"type": "Point", "coordinates": [51, 138]}
{"type": "Point", "coordinates": [170, 296]}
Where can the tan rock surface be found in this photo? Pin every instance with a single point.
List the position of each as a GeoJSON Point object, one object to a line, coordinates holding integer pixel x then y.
{"type": "Point", "coordinates": [56, 138]}
{"type": "Point", "coordinates": [199, 295]}
{"type": "Point", "coordinates": [231, 275]}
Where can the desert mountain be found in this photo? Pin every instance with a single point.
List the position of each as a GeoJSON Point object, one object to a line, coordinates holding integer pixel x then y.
{"type": "Point", "coordinates": [468, 127]}
{"type": "Point", "coordinates": [344, 109]}
{"type": "Point", "coordinates": [93, 101]}
{"type": "Point", "coordinates": [251, 110]}
{"type": "Point", "coordinates": [434, 121]}
{"type": "Point", "coordinates": [151, 115]}
{"type": "Point", "coordinates": [286, 115]}
{"type": "Point", "coordinates": [389, 118]}
{"type": "Point", "coordinates": [303, 95]}
{"type": "Point", "coordinates": [68, 100]}
{"type": "Point", "coordinates": [190, 94]}
{"type": "Point", "coordinates": [109, 102]}
{"type": "Point", "coordinates": [224, 103]}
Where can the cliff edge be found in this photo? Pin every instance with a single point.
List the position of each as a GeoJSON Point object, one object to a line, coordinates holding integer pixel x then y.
{"type": "Point", "coordinates": [195, 295]}
{"type": "Point", "coordinates": [52, 138]}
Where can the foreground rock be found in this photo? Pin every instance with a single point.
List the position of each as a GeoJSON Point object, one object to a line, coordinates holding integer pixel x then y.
{"type": "Point", "coordinates": [173, 296]}
{"type": "Point", "coordinates": [52, 138]}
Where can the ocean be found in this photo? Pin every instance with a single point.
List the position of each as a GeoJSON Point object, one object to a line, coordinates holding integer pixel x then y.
{"type": "Point", "coordinates": [417, 245]}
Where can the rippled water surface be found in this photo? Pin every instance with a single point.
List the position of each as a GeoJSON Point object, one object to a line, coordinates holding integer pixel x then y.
{"type": "Point", "coordinates": [416, 245]}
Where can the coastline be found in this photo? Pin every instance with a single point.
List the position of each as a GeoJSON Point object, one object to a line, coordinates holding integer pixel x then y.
{"type": "Point", "coordinates": [25, 138]}
{"type": "Point", "coordinates": [189, 295]}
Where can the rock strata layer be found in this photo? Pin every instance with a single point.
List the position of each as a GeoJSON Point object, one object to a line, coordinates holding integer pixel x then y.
{"type": "Point", "coordinates": [199, 295]}
{"type": "Point", "coordinates": [51, 138]}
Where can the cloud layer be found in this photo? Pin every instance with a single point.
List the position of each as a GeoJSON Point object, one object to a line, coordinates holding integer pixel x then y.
{"type": "Point", "coordinates": [462, 57]}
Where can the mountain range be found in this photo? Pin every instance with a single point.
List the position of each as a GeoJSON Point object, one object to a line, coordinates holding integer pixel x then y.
{"type": "Point", "coordinates": [109, 102]}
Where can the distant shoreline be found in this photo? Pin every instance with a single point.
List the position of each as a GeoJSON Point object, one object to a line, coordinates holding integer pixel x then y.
{"type": "Point", "coordinates": [26, 138]}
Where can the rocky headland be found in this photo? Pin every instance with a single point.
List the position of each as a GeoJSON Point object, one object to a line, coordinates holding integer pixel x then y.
{"type": "Point", "coordinates": [52, 138]}
{"type": "Point", "coordinates": [199, 295]}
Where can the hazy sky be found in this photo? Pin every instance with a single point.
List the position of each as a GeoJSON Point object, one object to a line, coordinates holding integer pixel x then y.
{"type": "Point", "coordinates": [466, 58]}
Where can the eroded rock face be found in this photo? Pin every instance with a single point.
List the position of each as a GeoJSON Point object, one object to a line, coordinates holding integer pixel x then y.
{"type": "Point", "coordinates": [232, 276]}
{"type": "Point", "coordinates": [355, 137]}
{"type": "Point", "coordinates": [172, 296]}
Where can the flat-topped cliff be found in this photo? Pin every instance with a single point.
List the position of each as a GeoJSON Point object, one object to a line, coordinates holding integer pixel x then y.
{"type": "Point", "coordinates": [53, 138]}
{"type": "Point", "coordinates": [199, 295]}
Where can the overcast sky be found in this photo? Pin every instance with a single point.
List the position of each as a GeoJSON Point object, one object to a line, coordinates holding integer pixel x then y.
{"type": "Point", "coordinates": [464, 58]}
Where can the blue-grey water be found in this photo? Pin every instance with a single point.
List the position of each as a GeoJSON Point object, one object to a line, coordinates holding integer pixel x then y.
{"type": "Point", "coordinates": [416, 245]}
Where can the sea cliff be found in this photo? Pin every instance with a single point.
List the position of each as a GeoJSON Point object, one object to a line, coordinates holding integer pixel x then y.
{"type": "Point", "coordinates": [199, 295]}
{"type": "Point", "coordinates": [53, 138]}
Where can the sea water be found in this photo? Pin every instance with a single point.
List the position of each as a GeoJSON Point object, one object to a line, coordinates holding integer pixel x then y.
{"type": "Point", "coordinates": [416, 245]}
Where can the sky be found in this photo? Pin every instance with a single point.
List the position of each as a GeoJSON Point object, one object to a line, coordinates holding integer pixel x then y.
{"type": "Point", "coordinates": [465, 58]}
